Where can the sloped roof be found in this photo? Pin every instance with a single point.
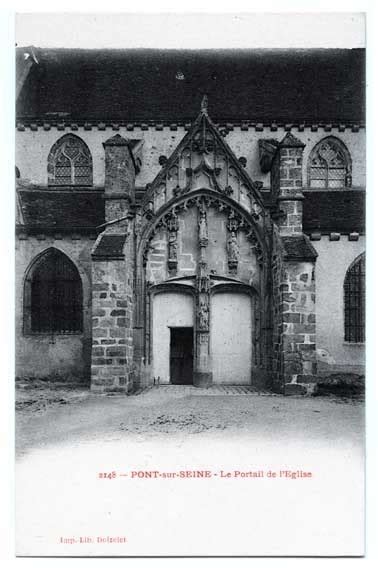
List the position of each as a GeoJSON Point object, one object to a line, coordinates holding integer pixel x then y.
{"type": "Point", "coordinates": [25, 58]}
{"type": "Point", "coordinates": [298, 247]}
{"type": "Point", "coordinates": [168, 85]}
{"type": "Point", "coordinates": [324, 211]}
{"type": "Point", "coordinates": [109, 247]}
{"type": "Point", "coordinates": [338, 211]}
{"type": "Point", "coordinates": [61, 210]}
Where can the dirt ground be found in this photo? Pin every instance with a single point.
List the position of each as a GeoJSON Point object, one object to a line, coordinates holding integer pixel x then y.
{"type": "Point", "coordinates": [49, 413]}
{"type": "Point", "coordinates": [67, 436]}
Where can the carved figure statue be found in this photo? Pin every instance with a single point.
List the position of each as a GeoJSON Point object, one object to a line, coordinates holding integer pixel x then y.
{"type": "Point", "coordinates": [202, 226]}
{"type": "Point", "coordinates": [233, 248]}
{"type": "Point", "coordinates": [203, 315]}
{"type": "Point", "coordinates": [172, 246]}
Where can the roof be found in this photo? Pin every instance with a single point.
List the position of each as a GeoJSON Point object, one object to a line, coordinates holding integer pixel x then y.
{"type": "Point", "coordinates": [109, 247]}
{"type": "Point", "coordinates": [323, 211]}
{"type": "Point", "coordinates": [317, 85]}
{"type": "Point", "coordinates": [61, 210]}
{"type": "Point", "coordinates": [298, 247]}
{"type": "Point", "coordinates": [341, 211]}
{"type": "Point", "coordinates": [25, 58]}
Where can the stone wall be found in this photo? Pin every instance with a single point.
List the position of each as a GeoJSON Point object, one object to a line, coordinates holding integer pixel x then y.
{"type": "Point", "coordinates": [334, 354]}
{"type": "Point", "coordinates": [112, 320]}
{"type": "Point", "coordinates": [248, 270]}
{"type": "Point", "coordinates": [293, 287]}
{"type": "Point", "coordinates": [33, 147]}
{"type": "Point", "coordinates": [64, 356]}
{"type": "Point", "coordinates": [299, 325]}
{"type": "Point", "coordinates": [294, 322]}
{"type": "Point", "coordinates": [276, 363]}
{"type": "Point", "coordinates": [113, 276]}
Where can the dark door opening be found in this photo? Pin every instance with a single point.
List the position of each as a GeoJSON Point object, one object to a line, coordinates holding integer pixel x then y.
{"type": "Point", "coordinates": [181, 356]}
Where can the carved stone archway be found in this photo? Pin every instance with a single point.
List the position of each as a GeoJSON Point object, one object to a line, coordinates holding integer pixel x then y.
{"type": "Point", "coordinates": [202, 283]}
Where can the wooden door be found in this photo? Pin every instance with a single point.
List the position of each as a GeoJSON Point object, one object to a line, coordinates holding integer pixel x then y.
{"type": "Point", "coordinates": [181, 356]}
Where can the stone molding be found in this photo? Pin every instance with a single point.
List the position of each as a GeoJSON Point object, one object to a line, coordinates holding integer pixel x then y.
{"type": "Point", "coordinates": [39, 124]}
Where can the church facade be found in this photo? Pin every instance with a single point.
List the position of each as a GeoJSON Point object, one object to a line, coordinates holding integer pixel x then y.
{"type": "Point", "coordinates": [190, 217]}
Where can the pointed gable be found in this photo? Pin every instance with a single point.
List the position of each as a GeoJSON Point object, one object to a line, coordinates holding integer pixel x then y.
{"type": "Point", "coordinates": [203, 160]}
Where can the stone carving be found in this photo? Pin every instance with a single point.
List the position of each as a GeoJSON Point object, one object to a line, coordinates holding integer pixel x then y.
{"type": "Point", "coordinates": [203, 279]}
{"type": "Point", "coordinates": [267, 152]}
{"type": "Point", "coordinates": [201, 160]}
{"type": "Point", "coordinates": [172, 252]}
{"type": "Point", "coordinates": [172, 222]}
{"type": "Point", "coordinates": [232, 253]}
{"type": "Point", "coordinates": [204, 104]}
{"type": "Point", "coordinates": [233, 248]}
{"type": "Point", "coordinates": [202, 227]}
{"type": "Point", "coordinates": [256, 247]}
{"type": "Point", "coordinates": [172, 226]}
{"type": "Point", "coordinates": [236, 222]}
{"type": "Point", "coordinates": [204, 339]}
{"type": "Point", "coordinates": [203, 315]}
{"type": "Point", "coordinates": [243, 161]}
{"type": "Point", "coordinates": [233, 222]}
{"type": "Point", "coordinates": [148, 210]}
{"type": "Point", "coordinates": [256, 210]}
{"type": "Point", "coordinates": [138, 224]}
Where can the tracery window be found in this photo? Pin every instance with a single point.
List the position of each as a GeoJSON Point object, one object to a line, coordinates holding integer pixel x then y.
{"type": "Point", "coordinates": [330, 165]}
{"type": "Point", "coordinates": [53, 295]}
{"type": "Point", "coordinates": [354, 301]}
{"type": "Point", "coordinates": [70, 162]}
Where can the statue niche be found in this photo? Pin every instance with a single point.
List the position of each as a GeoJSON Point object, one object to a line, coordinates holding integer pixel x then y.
{"type": "Point", "coordinates": [202, 228]}
{"type": "Point", "coordinates": [172, 226]}
{"type": "Point", "coordinates": [232, 253]}
{"type": "Point", "coordinates": [203, 316]}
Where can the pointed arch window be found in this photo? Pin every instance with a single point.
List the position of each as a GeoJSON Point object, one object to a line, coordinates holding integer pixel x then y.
{"type": "Point", "coordinates": [330, 165]}
{"type": "Point", "coordinates": [53, 295]}
{"type": "Point", "coordinates": [354, 301]}
{"type": "Point", "coordinates": [70, 162]}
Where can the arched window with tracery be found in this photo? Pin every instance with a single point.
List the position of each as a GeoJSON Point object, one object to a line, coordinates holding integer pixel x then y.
{"type": "Point", "coordinates": [354, 301]}
{"type": "Point", "coordinates": [330, 165]}
{"type": "Point", "coordinates": [53, 300]}
{"type": "Point", "coordinates": [70, 162]}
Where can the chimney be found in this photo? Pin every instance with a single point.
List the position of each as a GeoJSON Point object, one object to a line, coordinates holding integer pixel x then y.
{"type": "Point", "coordinates": [120, 171]}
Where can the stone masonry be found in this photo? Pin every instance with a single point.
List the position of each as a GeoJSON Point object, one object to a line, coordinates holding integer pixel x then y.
{"type": "Point", "coordinates": [113, 274]}
{"type": "Point", "coordinates": [298, 326]}
{"type": "Point", "coordinates": [112, 344]}
{"type": "Point", "coordinates": [294, 277]}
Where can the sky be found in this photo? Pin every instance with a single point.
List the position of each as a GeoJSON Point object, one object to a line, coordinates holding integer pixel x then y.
{"type": "Point", "coordinates": [200, 30]}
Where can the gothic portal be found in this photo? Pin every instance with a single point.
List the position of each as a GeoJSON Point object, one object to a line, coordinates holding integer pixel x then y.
{"type": "Point", "coordinates": [194, 267]}
{"type": "Point", "coordinates": [158, 245]}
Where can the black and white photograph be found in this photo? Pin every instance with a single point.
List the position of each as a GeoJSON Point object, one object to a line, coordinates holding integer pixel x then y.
{"type": "Point", "coordinates": [190, 285]}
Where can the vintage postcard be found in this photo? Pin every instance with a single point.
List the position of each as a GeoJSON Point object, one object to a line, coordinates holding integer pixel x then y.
{"type": "Point", "coordinates": [190, 285]}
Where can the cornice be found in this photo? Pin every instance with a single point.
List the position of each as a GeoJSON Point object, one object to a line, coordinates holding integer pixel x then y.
{"type": "Point", "coordinates": [35, 124]}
